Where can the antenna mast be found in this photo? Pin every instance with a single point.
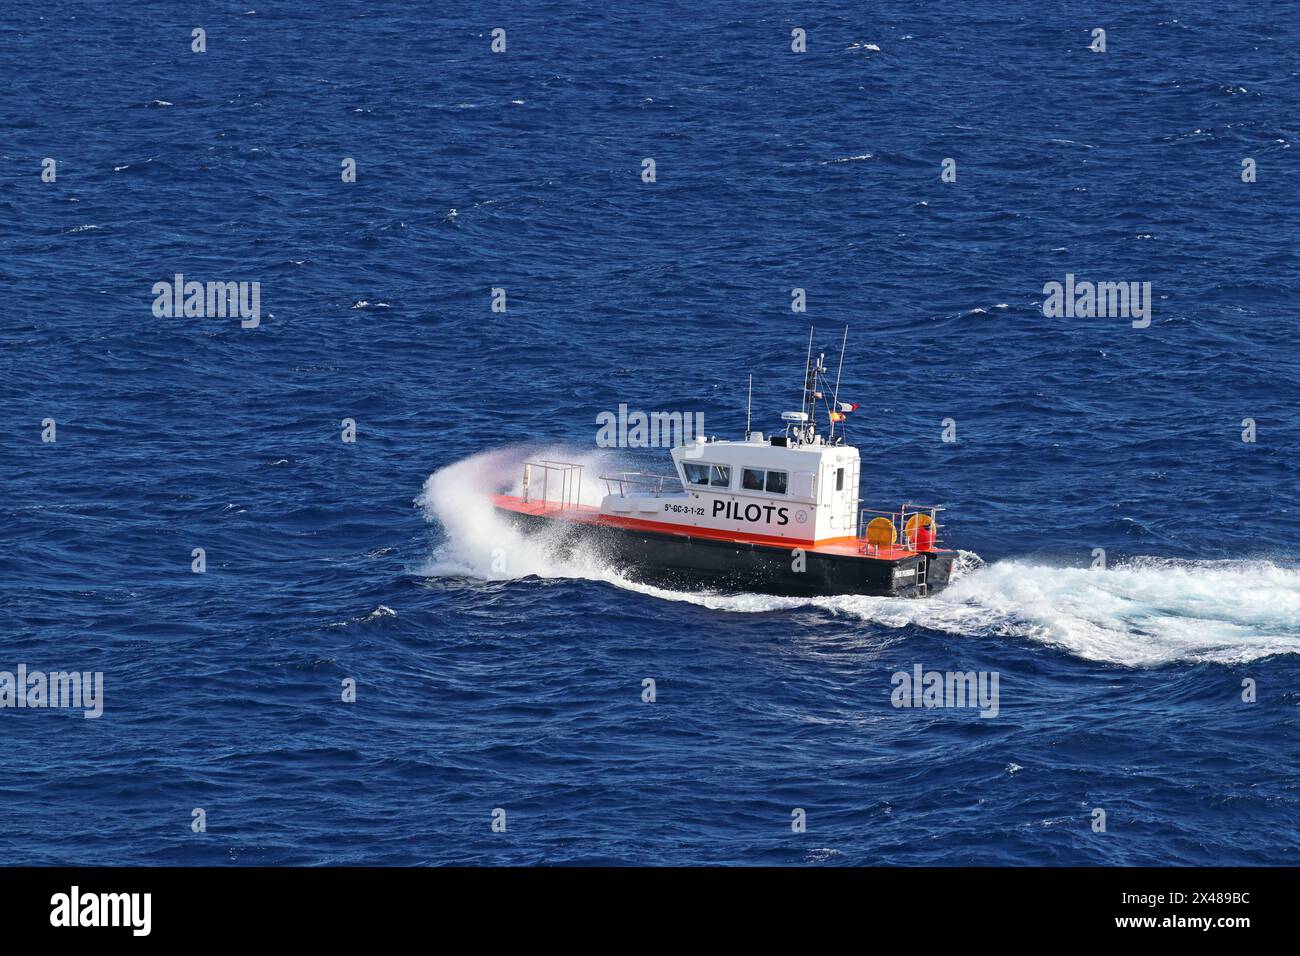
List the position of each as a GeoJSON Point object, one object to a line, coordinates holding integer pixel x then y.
{"type": "Point", "coordinates": [835, 402]}
{"type": "Point", "coordinates": [749, 404]}
{"type": "Point", "coordinates": [803, 403]}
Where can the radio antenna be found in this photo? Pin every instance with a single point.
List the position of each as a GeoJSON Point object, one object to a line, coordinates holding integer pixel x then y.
{"type": "Point", "coordinates": [749, 404]}
{"type": "Point", "coordinates": [835, 402]}
{"type": "Point", "coordinates": [803, 403]}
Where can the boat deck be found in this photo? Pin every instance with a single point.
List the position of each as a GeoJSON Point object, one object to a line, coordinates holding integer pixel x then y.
{"type": "Point", "coordinates": [547, 509]}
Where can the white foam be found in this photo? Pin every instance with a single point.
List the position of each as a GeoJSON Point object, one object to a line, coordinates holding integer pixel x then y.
{"type": "Point", "coordinates": [480, 543]}
{"type": "Point", "coordinates": [1143, 612]}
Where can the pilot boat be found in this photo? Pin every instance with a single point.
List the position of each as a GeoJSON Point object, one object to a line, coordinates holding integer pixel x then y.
{"type": "Point", "coordinates": [775, 514]}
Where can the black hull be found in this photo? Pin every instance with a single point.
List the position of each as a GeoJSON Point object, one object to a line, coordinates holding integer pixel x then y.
{"type": "Point", "coordinates": [683, 562]}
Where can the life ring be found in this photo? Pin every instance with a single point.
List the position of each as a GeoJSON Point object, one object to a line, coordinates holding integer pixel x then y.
{"type": "Point", "coordinates": [920, 531]}
{"type": "Point", "coordinates": [880, 531]}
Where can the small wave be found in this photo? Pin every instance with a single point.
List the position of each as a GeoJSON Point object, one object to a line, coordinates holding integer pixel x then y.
{"type": "Point", "coordinates": [379, 613]}
{"type": "Point", "coordinates": [983, 311]}
{"type": "Point", "coordinates": [126, 166]}
{"type": "Point", "coordinates": [821, 855]}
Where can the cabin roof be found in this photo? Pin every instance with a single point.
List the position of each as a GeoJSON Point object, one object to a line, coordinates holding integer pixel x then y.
{"type": "Point", "coordinates": [763, 454]}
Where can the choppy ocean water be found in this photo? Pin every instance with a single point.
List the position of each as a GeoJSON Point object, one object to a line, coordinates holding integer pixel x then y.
{"type": "Point", "coordinates": [520, 688]}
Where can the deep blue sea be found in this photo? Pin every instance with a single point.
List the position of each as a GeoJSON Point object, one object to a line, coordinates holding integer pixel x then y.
{"type": "Point", "coordinates": [491, 674]}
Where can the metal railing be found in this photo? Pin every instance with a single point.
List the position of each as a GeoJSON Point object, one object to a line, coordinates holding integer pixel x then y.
{"type": "Point", "coordinates": [567, 482]}
{"type": "Point", "coordinates": [899, 521]}
{"type": "Point", "coordinates": [642, 483]}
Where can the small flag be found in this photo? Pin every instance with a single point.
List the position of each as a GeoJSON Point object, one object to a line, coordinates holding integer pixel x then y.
{"type": "Point", "coordinates": [846, 407]}
{"type": "Point", "coordinates": [838, 416]}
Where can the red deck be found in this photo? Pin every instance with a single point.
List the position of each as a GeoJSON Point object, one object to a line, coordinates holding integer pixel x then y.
{"type": "Point", "coordinates": [587, 514]}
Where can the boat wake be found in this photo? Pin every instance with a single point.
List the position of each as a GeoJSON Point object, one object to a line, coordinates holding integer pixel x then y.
{"type": "Point", "coordinates": [1141, 612]}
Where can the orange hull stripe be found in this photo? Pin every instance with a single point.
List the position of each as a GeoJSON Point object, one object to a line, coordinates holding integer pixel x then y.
{"type": "Point", "coordinates": [586, 514]}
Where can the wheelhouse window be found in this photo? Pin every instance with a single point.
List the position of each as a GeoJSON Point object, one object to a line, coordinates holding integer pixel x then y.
{"type": "Point", "coordinates": [719, 476]}
{"type": "Point", "coordinates": [756, 479]}
{"type": "Point", "coordinates": [839, 479]}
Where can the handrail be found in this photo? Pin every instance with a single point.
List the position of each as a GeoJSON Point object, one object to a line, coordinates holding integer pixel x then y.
{"type": "Point", "coordinates": [570, 482]}
{"type": "Point", "coordinates": [638, 478]}
{"type": "Point", "coordinates": [899, 520]}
